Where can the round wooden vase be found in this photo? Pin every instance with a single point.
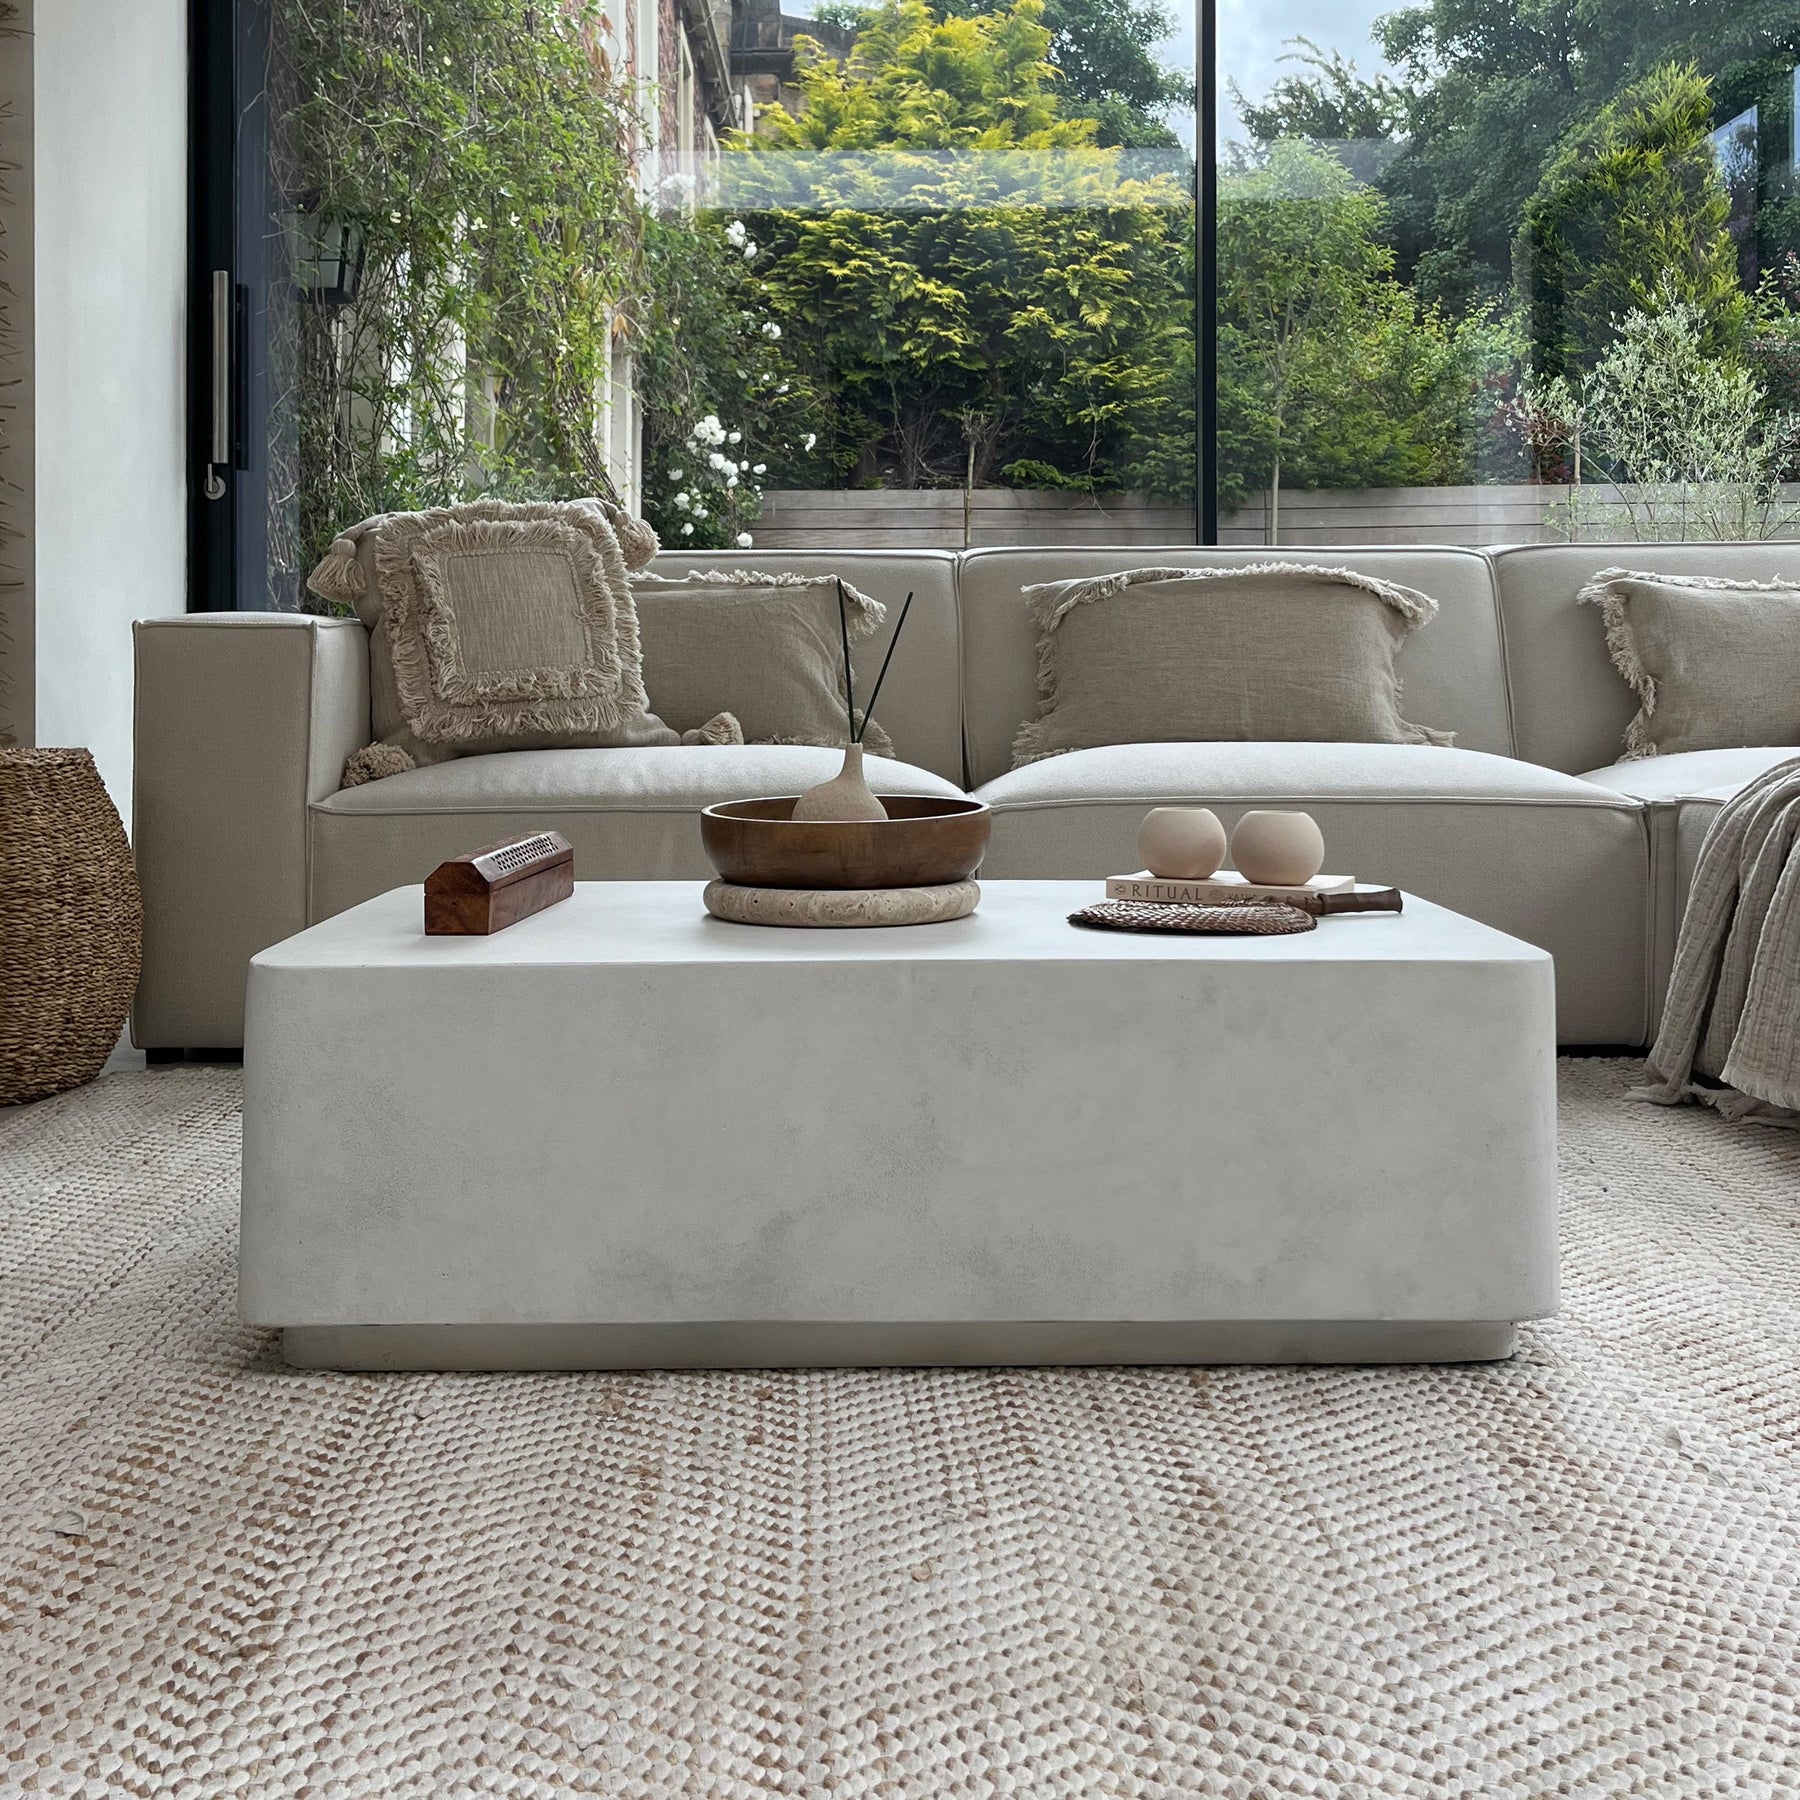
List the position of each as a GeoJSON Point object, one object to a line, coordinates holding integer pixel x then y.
{"type": "Point", "coordinates": [1181, 843]}
{"type": "Point", "coordinates": [71, 923]}
{"type": "Point", "coordinates": [1278, 849]}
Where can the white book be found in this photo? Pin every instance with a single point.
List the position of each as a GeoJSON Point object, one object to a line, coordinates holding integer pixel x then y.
{"type": "Point", "coordinates": [1219, 889]}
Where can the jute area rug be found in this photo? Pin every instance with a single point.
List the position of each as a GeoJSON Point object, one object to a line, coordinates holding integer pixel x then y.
{"type": "Point", "coordinates": [1576, 1574]}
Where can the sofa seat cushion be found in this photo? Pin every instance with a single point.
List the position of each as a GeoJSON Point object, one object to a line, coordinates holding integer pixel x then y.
{"type": "Point", "coordinates": [632, 815]}
{"type": "Point", "coordinates": [1693, 820]}
{"type": "Point", "coordinates": [651, 779]}
{"type": "Point", "coordinates": [1690, 772]}
{"type": "Point", "coordinates": [1260, 774]}
{"type": "Point", "coordinates": [1682, 792]}
{"type": "Point", "coordinates": [1557, 861]}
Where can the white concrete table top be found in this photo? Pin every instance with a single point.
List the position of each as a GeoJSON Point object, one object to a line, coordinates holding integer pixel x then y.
{"type": "Point", "coordinates": [624, 1114]}
{"type": "Point", "coordinates": [1018, 921]}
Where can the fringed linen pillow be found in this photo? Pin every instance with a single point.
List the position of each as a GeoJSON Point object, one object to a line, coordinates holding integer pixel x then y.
{"type": "Point", "coordinates": [496, 626]}
{"type": "Point", "coordinates": [767, 648]}
{"type": "Point", "coordinates": [1265, 653]}
{"type": "Point", "coordinates": [1715, 664]}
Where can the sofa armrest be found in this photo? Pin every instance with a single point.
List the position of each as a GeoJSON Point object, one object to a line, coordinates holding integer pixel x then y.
{"type": "Point", "coordinates": [243, 719]}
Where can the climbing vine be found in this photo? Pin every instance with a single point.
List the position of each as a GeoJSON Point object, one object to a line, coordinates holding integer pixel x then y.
{"type": "Point", "coordinates": [478, 148]}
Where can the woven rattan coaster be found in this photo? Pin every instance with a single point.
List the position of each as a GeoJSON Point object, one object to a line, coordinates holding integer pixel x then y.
{"type": "Point", "coordinates": [1258, 920]}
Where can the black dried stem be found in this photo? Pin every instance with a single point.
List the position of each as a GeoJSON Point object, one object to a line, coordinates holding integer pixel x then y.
{"type": "Point", "coordinates": [849, 680]}
{"type": "Point", "coordinates": [869, 710]}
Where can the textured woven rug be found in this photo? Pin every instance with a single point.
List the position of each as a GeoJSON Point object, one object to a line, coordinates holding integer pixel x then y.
{"type": "Point", "coordinates": [1574, 1574]}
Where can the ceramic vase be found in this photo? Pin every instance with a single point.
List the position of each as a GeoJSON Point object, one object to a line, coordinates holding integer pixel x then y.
{"type": "Point", "coordinates": [1278, 849]}
{"type": "Point", "coordinates": [845, 799]}
{"type": "Point", "coordinates": [1181, 843]}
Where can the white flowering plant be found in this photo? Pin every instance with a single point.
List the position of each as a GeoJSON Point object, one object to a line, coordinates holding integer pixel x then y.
{"type": "Point", "coordinates": [723, 402]}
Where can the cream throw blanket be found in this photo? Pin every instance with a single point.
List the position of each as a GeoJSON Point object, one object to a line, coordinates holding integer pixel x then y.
{"type": "Point", "coordinates": [1730, 1033]}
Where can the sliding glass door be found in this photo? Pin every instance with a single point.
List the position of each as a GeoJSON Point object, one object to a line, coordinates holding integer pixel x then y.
{"type": "Point", "coordinates": [238, 298]}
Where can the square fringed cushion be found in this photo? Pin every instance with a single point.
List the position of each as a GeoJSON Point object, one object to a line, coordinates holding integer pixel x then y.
{"type": "Point", "coordinates": [765, 647]}
{"type": "Point", "coordinates": [496, 626]}
{"type": "Point", "coordinates": [1715, 664]}
{"type": "Point", "coordinates": [1267, 653]}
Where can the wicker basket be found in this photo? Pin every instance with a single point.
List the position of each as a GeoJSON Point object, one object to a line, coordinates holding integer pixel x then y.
{"type": "Point", "coordinates": [71, 923]}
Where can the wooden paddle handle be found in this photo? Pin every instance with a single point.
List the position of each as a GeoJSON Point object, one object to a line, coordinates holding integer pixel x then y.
{"type": "Point", "coordinates": [1372, 900]}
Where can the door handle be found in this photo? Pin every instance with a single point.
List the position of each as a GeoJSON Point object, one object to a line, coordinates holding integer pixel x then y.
{"type": "Point", "coordinates": [220, 447]}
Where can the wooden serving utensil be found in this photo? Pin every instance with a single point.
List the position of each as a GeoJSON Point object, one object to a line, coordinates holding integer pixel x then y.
{"type": "Point", "coordinates": [1319, 905]}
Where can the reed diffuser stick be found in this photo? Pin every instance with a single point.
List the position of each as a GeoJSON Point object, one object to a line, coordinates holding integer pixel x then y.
{"type": "Point", "coordinates": [849, 680]}
{"type": "Point", "coordinates": [869, 710]}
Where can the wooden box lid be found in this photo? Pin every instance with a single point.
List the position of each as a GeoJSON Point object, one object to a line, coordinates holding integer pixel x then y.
{"type": "Point", "coordinates": [500, 865]}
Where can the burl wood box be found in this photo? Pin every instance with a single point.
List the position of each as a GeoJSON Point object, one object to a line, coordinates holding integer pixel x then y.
{"type": "Point", "coordinates": [489, 889]}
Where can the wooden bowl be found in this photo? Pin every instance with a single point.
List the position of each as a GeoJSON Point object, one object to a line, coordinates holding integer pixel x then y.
{"type": "Point", "coordinates": [923, 842]}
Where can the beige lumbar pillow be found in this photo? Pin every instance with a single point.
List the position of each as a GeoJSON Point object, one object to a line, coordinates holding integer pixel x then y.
{"type": "Point", "coordinates": [767, 648]}
{"type": "Point", "coordinates": [1270, 652]}
{"type": "Point", "coordinates": [496, 626]}
{"type": "Point", "coordinates": [1715, 664]}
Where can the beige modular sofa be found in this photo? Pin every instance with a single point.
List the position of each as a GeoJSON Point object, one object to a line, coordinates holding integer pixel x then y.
{"type": "Point", "coordinates": [1530, 823]}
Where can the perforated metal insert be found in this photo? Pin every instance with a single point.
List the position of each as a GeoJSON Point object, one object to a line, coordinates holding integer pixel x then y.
{"type": "Point", "coordinates": [516, 856]}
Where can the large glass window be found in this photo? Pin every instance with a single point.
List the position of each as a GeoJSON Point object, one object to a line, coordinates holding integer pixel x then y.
{"type": "Point", "coordinates": [895, 274]}
{"type": "Point", "coordinates": [1498, 271]}
{"type": "Point", "coordinates": [960, 306]}
{"type": "Point", "coordinates": [930, 272]}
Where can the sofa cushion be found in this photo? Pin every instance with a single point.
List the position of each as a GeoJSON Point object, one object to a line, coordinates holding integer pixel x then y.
{"type": "Point", "coordinates": [1559, 862]}
{"type": "Point", "coordinates": [1276, 651]}
{"type": "Point", "coordinates": [494, 626]}
{"type": "Point", "coordinates": [921, 705]}
{"type": "Point", "coordinates": [630, 814]}
{"type": "Point", "coordinates": [1686, 772]}
{"type": "Point", "coordinates": [768, 649]}
{"type": "Point", "coordinates": [1715, 663]}
{"type": "Point", "coordinates": [1570, 709]}
{"type": "Point", "coordinates": [1453, 672]}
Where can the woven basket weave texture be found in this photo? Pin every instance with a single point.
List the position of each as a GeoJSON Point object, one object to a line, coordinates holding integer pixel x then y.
{"type": "Point", "coordinates": [1260, 918]}
{"type": "Point", "coordinates": [1572, 1576]}
{"type": "Point", "coordinates": [71, 923]}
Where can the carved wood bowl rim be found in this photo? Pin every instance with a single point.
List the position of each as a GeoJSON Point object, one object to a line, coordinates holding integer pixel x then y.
{"type": "Point", "coordinates": [928, 840]}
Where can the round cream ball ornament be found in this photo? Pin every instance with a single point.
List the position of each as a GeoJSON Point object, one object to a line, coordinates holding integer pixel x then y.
{"type": "Point", "coordinates": [1181, 843]}
{"type": "Point", "coordinates": [1278, 849]}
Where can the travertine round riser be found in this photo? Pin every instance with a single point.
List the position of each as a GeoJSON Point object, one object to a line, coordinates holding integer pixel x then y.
{"type": "Point", "coordinates": [841, 907]}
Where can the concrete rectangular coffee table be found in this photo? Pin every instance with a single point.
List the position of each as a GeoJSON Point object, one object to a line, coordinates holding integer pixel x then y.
{"type": "Point", "coordinates": [625, 1134]}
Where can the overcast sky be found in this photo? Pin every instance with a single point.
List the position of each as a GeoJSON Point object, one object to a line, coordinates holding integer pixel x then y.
{"type": "Point", "coordinates": [1252, 36]}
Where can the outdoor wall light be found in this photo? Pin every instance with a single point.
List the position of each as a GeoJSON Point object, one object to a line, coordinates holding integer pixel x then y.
{"type": "Point", "coordinates": [326, 256]}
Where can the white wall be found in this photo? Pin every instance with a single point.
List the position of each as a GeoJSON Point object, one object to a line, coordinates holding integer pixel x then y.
{"type": "Point", "coordinates": [18, 691]}
{"type": "Point", "coordinates": [110, 214]}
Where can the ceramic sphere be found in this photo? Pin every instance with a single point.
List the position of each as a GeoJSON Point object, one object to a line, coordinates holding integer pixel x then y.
{"type": "Point", "coordinates": [1181, 843]}
{"type": "Point", "coordinates": [1278, 849]}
